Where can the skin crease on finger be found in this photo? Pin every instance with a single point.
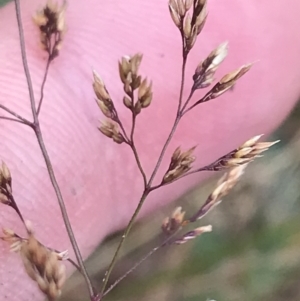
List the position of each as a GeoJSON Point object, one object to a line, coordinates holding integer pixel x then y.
{"type": "Point", "coordinates": [99, 179]}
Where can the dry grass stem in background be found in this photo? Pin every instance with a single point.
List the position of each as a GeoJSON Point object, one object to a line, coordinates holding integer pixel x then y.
{"type": "Point", "coordinates": [43, 264]}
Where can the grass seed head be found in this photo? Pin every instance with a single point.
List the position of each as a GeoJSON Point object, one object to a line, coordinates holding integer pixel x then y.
{"type": "Point", "coordinates": [181, 163]}
{"type": "Point", "coordinates": [110, 129]}
{"type": "Point", "coordinates": [51, 23]}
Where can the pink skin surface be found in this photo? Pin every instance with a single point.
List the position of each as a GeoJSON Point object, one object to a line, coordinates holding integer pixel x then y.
{"type": "Point", "coordinates": [99, 179]}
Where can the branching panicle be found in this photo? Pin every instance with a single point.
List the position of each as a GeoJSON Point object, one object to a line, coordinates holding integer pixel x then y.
{"type": "Point", "coordinates": [50, 21]}
{"type": "Point", "coordinates": [189, 17]}
{"type": "Point", "coordinates": [43, 264]}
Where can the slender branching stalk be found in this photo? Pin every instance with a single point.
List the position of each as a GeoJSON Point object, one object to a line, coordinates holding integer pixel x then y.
{"type": "Point", "coordinates": [39, 136]}
{"type": "Point", "coordinates": [16, 208]}
{"type": "Point", "coordinates": [52, 49]}
{"type": "Point", "coordinates": [122, 240]}
{"type": "Point", "coordinates": [148, 188]}
{"type": "Point", "coordinates": [11, 119]}
{"type": "Point", "coordinates": [11, 112]}
{"type": "Point", "coordinates": [43, 84]}
{"type": "Point", "coordinates": [165, 242]}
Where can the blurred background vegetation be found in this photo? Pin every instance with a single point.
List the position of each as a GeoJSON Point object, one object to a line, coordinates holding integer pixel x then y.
{"type": "Point", "coordinates": [251, 255]}
{"type": "Point", "coordinates": [3, 2]}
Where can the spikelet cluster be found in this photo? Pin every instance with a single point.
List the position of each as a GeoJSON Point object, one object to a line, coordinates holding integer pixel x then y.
{"type": "Point", "coordinates": [51, 23]}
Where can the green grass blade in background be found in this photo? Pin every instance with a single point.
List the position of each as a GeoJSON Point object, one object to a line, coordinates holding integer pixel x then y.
{"type": "Point", "coordinates": [3, 2]}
